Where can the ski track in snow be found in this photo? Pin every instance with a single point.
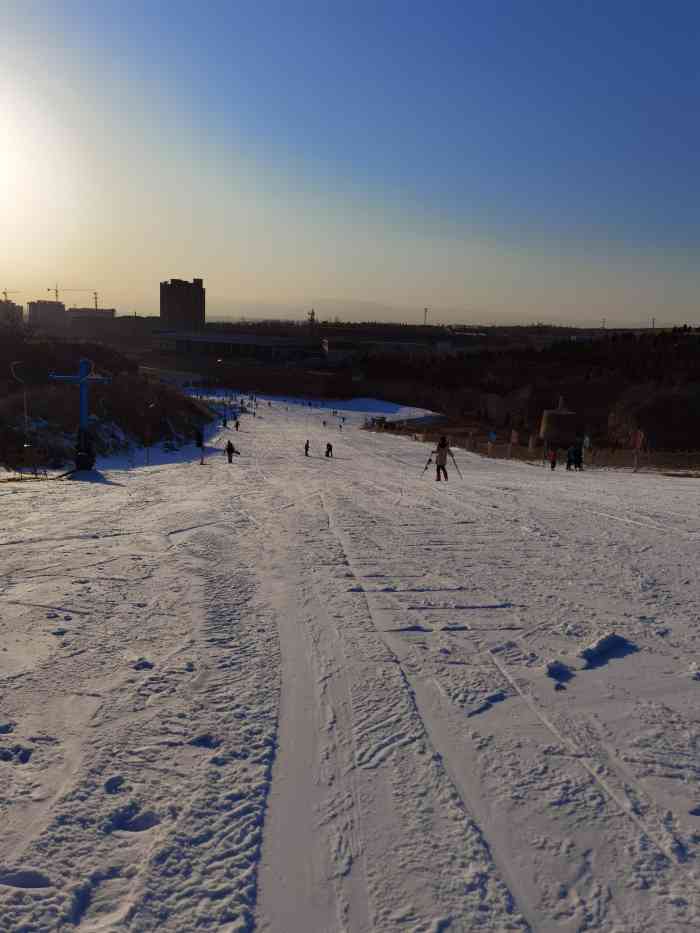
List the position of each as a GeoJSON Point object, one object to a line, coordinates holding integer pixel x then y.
{"type": "Point", "coordinates": [307, 694]}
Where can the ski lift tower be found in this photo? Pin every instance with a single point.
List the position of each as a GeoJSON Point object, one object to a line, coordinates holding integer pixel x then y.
{"type": "Point", "coordinates": [84, 453]}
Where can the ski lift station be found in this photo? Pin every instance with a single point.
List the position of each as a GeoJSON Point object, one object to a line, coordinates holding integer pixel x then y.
{"type": "Point", "coordinates": [559, 426]}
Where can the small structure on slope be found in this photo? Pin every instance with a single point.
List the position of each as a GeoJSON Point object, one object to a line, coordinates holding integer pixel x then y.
{"type": "Point", "coordinates": [559, 426]}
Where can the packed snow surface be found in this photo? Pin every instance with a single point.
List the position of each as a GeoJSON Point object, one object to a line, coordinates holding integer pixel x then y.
{"type": "Point", "coordinates": [301, 694]}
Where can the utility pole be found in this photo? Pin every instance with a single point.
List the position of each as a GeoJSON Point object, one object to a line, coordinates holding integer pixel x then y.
{"type": "Point", "coordinates": [653, 323]}
{"type": "Point", "coordinates": [84, 454]}
{"type": "Point", "coordinates": [24, 393]}
{"type": "Point", "coordinates": [425, 317]}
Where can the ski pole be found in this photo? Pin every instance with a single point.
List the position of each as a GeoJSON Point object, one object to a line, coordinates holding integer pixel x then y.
{"type": "Point", "coordinates": [430, 460]}
{"type": "Point", "coordinates": [459, 472]}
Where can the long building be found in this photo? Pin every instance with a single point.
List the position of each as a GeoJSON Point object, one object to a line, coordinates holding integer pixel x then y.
{"type": "Point", "coordinates": [232, 346]}
{"type": "Point", "coordinates": [10, 313]}
{"type": "Point", "coordinates": [47, 315]}
{"type": "Point", "coordinates": [89, 322]}
{"type": "Point", "coordinates": [182, 305]}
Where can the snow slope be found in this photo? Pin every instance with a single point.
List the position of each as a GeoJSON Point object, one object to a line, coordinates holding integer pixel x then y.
{"type": "Point", "coordinates": [300, 694]}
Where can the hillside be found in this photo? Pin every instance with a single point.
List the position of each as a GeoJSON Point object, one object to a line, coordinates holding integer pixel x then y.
{"type": "Point", "coordinates": [128, 410]}
{"type": "Point", "coordinates": [311, 694]}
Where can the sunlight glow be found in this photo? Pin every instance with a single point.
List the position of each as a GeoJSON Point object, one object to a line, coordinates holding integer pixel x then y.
{"type": "Point", "coordinates": [39, 170]}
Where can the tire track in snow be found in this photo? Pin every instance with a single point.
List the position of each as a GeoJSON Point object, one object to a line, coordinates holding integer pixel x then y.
{"type": "Point", "coordinates": [377, 707]}
{"type": "Point", "coordinates": [662, 839]}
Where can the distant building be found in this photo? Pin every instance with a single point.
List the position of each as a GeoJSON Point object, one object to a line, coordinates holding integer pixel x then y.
{"type": "Point", "coordinates": [232, 346]}
{"type": "Point", "coordinates": [182, 305]}
{"type": "Point", "coordinates": [91, 314]}
{"type": "Point", "coordinates": [89, 322]}
{"type": "Point", "coordinates": [10, 313]}
{"type": "Point", "coordinates": [47, 315]}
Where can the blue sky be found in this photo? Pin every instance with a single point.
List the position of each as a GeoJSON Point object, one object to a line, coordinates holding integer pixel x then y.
{"type": "Point", "coordinates": [472, 156]}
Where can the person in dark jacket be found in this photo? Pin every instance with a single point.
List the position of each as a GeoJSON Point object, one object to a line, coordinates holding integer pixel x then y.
{"type": "Point", "coordinates": [552, 457]}
{"type": "Point", "coordinates": [230, 451]}
{"type": "Point", "coordinates": [306, 449]}
{"type": "Point", "coordinates": [238, 424]}
{"type": "Point", "coordinates": [329, 450]}
{"type": "Point", "coordinates": [570, 457]}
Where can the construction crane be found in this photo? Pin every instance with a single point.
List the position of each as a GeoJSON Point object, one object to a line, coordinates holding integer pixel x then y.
{"type": "Point", "coordinates": [5, 293]}
{"type": "Point", "coordinates": [55, 291]}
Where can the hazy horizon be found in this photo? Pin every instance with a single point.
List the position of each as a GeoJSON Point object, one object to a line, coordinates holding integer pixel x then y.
{"type": "Point", "coordinates": [497, 166]}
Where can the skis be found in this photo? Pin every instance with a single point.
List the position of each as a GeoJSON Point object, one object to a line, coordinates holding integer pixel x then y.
{"type": "Point", "coordinates": [63, 475]}
{"type": "Point", "coordinates": [430, 460]}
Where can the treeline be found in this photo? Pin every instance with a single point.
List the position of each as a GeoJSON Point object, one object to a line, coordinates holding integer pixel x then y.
{"type": "Point", "coordinates": [616, 385]}
{"type": "Point", "coordinates": [128, 407]}
{"type": "Point", "coordinates": [41, 356]}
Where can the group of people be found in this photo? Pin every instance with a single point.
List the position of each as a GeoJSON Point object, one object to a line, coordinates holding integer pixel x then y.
{"type": "Point", "coordinates": [329, 449]}
{"type": "Point", "coordinates": [574, 457]}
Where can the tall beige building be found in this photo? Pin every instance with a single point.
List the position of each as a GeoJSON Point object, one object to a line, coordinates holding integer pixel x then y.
{"type": "Point", "coordinates": [182, 305]}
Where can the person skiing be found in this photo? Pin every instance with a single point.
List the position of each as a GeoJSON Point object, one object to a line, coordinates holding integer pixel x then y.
{"type": "Point", "coordinates": [306, 449]}
{"type": "Point", "coordinates": [230, 451]}
{"type": "Point", "coordinates": [441, 453]}
{"type": "Point", "coordinates": [552, 457]}
{"type": "Point", "coordinates": [329, 450]}
{"type": "Point", "coordinates": [238, 424]}
{"type": "Point", "coordinates": [570, 457]}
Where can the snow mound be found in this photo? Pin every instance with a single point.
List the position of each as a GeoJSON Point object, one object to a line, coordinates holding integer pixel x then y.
{"type": "Point", "coordinates": [558, 670]}
{"type": "Point", "coordinates": [605, 648]}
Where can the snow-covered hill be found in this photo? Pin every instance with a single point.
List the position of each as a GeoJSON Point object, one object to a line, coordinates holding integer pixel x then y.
{"type": "Point", "coordinates": [310, 694]}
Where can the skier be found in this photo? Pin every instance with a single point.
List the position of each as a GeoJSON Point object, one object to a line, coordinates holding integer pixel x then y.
{"type": "Point", "coordinates": [306, 449]}
{"type": "Point", "coordinates": [570, 457]}
{"type": "Point", "coordinates": [552, 457]}
{"type": "Point", "coordinates": [230, 451]}
{"type": "Point", "coordinates": [441, 452]}
{"type": "Point", "coordinates": [329, 450]}
{"type": "Point", "coordinates": [238, 424]}
{"type": "Point", "coordinates": [323, 423]}
{"type": "Point", "coordinates": [578, 457]}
